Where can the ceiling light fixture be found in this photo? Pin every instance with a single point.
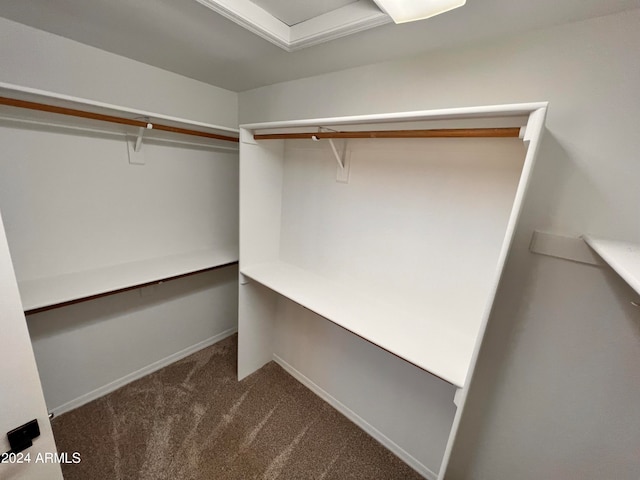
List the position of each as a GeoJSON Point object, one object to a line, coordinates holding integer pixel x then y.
{"type": "Point", "coordinates": [402, 11]}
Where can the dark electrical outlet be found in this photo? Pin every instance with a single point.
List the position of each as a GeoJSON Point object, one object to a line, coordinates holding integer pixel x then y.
{"type": "Point", "coordinates": [22, 437]}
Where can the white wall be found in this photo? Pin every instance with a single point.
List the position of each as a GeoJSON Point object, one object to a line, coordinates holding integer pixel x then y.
{"type": "Point", "coordinates": [85, 350]}
{"type": "Point", "coordinates": [72, 202]}
{"type": "Point", "coordinates": [557, 389]}
{"type": "Point", "coordinates": [38, 59]}
{"type": "Point", "coordinates": [400, 405]}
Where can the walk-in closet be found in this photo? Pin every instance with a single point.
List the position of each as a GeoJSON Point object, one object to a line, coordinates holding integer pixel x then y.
{"type": "Point", "coordinates": [349, 239]}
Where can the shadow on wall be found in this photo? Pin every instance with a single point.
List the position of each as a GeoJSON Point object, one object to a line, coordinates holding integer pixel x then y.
{"type": "Point", "coordinates": [85, 314]}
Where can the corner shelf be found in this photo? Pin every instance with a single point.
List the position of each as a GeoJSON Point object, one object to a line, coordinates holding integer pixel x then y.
{"type": "Point", "coordinates": [41, 293]}
{"type": "Point", "coordinates": [623, 257]}
{"type": "Point", "coordinates": [425, 339]}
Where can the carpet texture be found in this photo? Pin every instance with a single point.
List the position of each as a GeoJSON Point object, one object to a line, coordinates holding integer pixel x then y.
{"type": "Point", "coordinates": [193, 420]}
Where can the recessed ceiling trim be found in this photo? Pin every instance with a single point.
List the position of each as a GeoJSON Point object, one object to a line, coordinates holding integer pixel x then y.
{"type": "Point", "coordinates": [352, 18]}
{"type": "Point", "coordinates": [346, 20]}
{"type": "Point", "coordinates": [252, 17]}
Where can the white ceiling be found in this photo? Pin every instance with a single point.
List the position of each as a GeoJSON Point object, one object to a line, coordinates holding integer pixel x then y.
{"type": "Point", "coordinates": [294, 12]}
{"type": "Point", "coordinates": [185, 37]}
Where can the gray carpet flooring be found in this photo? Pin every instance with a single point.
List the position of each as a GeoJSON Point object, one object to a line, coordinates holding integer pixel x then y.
{"type": "Point", "coordinates": [193, 420]}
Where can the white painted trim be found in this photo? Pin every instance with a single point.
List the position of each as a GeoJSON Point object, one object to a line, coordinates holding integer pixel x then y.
{"type": "Point", "coordinates": [246, 136]}
{"type": "Point", "coordinates": [153, 367]}
{"type": "Point", "coordinates": [535, 129]}
{"type": "Point", "coordinates": [343, 21]}
{"type": "Point", "coordinates": [350, 19]}
{"type": "Point", "coordinates": [254, 18]}
{"type": "Point", "coordinates": [438, 114]}
{"type": "Point", "coordinates": [358, 420]}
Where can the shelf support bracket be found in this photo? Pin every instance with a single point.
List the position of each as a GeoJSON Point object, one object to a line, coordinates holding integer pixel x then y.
{"type": "Point", "coordinates": [341, 156]}
{"type": "Point", "coordinates": [522, 134]}
{"type": "Point", "coordinates": [138, 145]}
{"type": "Point", "coordinates": [338, 155]}
{"type": "Point", "coordinates": [457, 397]}
{"type": "Point", "coordinates": [140, 133]}
{"type": "Point", "coordinates": [134, 146]}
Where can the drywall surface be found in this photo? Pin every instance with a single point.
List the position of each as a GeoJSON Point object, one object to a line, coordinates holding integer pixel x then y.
{"type": "Point", "coordinates": [72, 202]}
{"type": "Point", "coordinates": [556, 390]}
{"type": "Point", "coordinates": [88, 349]}
{"type": "Point", "coordinates": [37, 59]}
{"type": "Point", "coordinates": [387, 241]}
{"type": "Point", "coordinates": [407, 410]}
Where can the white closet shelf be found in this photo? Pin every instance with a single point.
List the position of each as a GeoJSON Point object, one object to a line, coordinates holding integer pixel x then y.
{"type": "Point", "coordinates": [17, 92]}
{"type": "Point", "coordinates": [46, 292]}
{"type": "Point", "coordinates": [623, 257]}
{"type": "Point", "coordinates": [517, 109]}
{"type": "Point", "coordinates": [424, 339]}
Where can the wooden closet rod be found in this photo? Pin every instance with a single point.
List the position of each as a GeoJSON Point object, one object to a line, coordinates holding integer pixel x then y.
{"type": "Point", "coordinates": [12, 102]}
{"type": "Point", "coordinates": [441, 133]}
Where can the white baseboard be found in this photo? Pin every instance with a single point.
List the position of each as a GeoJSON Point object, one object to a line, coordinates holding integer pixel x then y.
{"type": "Point", "coordinates": [358, 420]}
{"type": "Point", "coordinates": [120, 382]}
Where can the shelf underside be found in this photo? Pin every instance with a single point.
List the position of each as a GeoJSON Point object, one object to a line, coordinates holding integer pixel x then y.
{"type": "Point", "coordinates": [424, 339]}
{"type": "Point", "coordinates": [45, 292]}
